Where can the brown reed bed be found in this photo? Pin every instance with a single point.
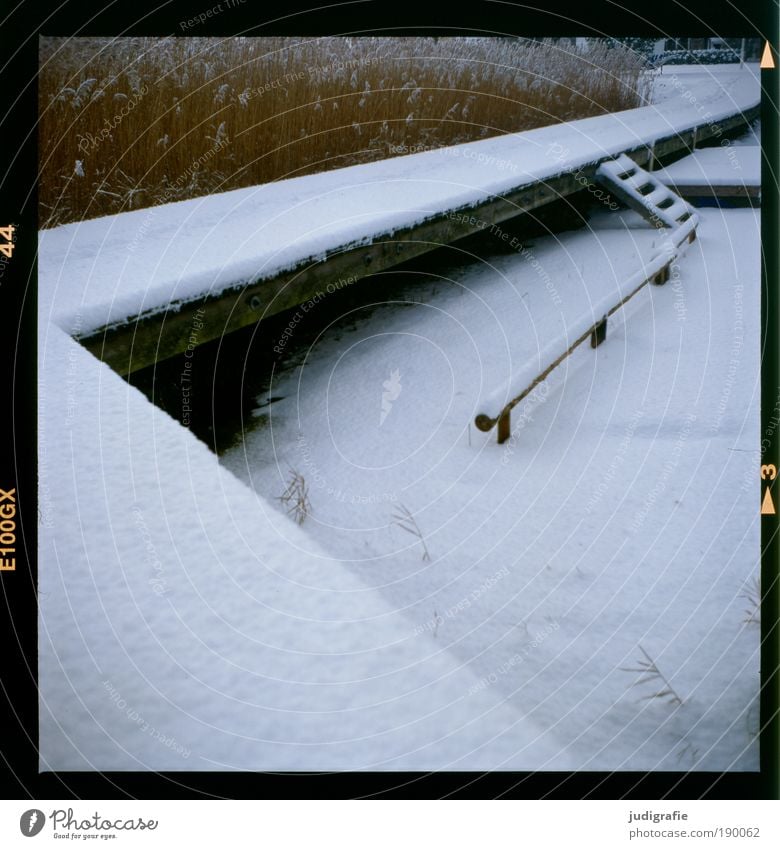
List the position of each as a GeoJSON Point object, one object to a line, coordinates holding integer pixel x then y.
{"type": "Point", "coordinates": [135, 122]}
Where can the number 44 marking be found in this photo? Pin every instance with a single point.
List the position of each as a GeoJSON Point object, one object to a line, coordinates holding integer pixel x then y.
{"type": "Point", "coordinates": [7, 233]}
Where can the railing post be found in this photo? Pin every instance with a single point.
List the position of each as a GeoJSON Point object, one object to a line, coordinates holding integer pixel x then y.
{"type": "Point", "coordinates": [662, 276]}
{"type": "Point", "coordinates": [599, 333]}
{"type": "Point", "coordinates": [503, 427]}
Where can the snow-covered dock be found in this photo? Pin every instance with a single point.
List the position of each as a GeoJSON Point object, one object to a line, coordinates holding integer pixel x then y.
{"type": "Point", "coordinates": [718, 172]}
{"type": "Point", "coordinates": [129, 286]}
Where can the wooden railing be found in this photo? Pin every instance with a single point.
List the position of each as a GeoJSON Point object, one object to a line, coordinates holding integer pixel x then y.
{"type": "Point", "coordinates": [656, 271]}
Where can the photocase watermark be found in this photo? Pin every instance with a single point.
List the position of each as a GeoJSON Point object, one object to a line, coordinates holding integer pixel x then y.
{"type": "Point", "coordinates": [516, 244]}
{"type": "Point", "coordinates": [391, 392]}
{"type": "Point", "coordinates": [736, 355]}
{"type": "Point", "coordinates": [341, 66]}
{"type": "Point", "coordinates": [531, 259]}
{"type": "Point", "coordinates": [675, 282]}
{"type": "Point", "coordinates": [560, 153]}
{"type": "Point", "coordinates": [458, 151]}
{"type": "Point", "coordinates": [134, 716]}
{"type": "Point", "coordinates": [534, 399]}
{"type": "Point", "coordinates": [202, 17]}
{"type": "Point", "coordinates": [140, 235]}
{"type": "Point", "coordinates": [172, 190]}
{"type": "Point", "coordinates": [315, 477]}
{"type": "Point", "coordinates": [715, 128]}
{"type": "Point", "coordinates": [495, 229]}
{"type": "Point", "coordinates": [185, 378]}
{"type": "Point", "coordinates": [679, 295]}
{"type": "Point", "coordinates": [464, 603]}
{"type": "Point", "coordinates": [157, 581]}
{"type": "Point", "coordinates": [617, 460]}
{"type": "Point", "coordinates": [289, 331]}
{"type": "Point", "coordinates": [690, 96]}
{"type": "Point", "coordinates": [312, 72]}
{"type": "Point", "coordinates": [45, 503]}
{"type": "Point", "coordinates": [514, 661]}
{"type": "Point", "coordinates": [87, 143]}
{"type": "Point", "coordinates": [31, 822]}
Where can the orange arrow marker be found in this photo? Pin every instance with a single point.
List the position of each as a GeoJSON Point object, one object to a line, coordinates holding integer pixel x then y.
{"type": "Point", "coordinates": [767, 61]}
{"type": "Point", "coordinates": [767, 505]}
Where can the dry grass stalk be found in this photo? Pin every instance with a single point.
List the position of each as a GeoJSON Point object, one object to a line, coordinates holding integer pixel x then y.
{"type": "Point", "coordinates": [752, 596]}
{"type": "Point", "coordinates": [296, 497]}
{"type": "Point", "coordinates": [650, 672]}
{"type": "Point", "coordinates": [405, 520]}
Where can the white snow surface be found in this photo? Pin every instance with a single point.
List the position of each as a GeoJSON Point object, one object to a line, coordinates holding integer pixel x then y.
{"type": "Point", "coordinates": [186, 623]}
{"type": "Point", "coordinates": [108, 269]}
{"type": "Point", "coordinates": [715, 166]}
{"type": "Point", "coordinates": [619, 517]}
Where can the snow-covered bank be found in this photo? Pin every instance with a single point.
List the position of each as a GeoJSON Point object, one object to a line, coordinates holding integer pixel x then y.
{"type": "Point", "coordinates": [108, 269]}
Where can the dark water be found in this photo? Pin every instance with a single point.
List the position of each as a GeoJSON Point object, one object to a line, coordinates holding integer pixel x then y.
{"type": "Point", "coordinates": [229, 379]}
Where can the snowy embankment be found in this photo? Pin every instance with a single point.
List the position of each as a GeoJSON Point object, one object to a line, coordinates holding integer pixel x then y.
{"type": "Point", "coordinates": [186, 625]}
{"type": "Point", "coordinates": [620, 518]}
{"type": "Point", "coordinates": [108, 269]}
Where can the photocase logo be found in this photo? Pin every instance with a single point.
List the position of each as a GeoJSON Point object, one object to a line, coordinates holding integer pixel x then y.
{"type": "Point", "coordinates": [392, 388]}
{"type": "Point", "coordinates": [31, 822]}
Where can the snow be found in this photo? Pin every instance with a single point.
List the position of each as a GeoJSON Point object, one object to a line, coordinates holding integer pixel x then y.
{"type": "Point", "coordinates": [108, 269]}
{"type": "Point", "coordinates": [716, 166]}
{"type": "Point", "coordinates": [611, 523]}
{"type": "Point", "coordinates": [672, 80]}
{"type": "Point", "coordinates": [185, 624]}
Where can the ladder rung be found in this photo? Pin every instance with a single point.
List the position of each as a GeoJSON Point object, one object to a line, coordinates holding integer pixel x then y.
{"type": "Point", "coordinates": [657, 196]}
{"type": "Point", "coordinates": [643, 192]}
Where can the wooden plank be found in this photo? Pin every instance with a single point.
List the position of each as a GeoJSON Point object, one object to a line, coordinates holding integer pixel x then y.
{"type": "Point", "coordinates": [147, 338]}
{"type": "Point", "coordinates": [709, 190]}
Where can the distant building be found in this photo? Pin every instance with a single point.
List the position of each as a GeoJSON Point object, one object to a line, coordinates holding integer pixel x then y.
{"type": "Point", "coordinates": [752, 46]}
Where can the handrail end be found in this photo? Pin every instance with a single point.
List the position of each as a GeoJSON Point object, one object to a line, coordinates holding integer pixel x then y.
{"type": "Point", "coordinates": [484, 423]}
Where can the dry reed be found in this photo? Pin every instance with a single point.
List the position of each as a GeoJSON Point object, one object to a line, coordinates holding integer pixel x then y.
{"type": "Point", "coordinates": [134, 122]}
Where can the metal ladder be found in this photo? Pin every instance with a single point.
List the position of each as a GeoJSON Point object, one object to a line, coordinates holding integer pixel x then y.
{"type": "Point", "coordinates": [642, 192]}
